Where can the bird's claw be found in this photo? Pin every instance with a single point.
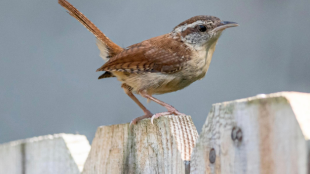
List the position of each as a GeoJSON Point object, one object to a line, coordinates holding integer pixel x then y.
{"type": "Point", "coordinates": [173, 112]}
{"type": "Point", "coordinates": [158, 115]}
{"type": "Point", "coordinates": [134, 121]}
{"type": "Point", "coordinates": [130, 124]}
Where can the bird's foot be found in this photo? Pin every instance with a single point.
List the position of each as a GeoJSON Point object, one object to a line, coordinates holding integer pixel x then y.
{"type": "Point", "coordinates": [171, 111]}
{"type": "Point", "coordinates": [147, 115]}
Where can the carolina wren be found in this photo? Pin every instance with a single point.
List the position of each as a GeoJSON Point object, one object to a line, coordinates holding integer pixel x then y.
{"type": "Point", "coordinates": [162, 64]}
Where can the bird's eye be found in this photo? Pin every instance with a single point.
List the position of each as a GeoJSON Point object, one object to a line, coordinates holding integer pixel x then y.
{"type": "Point", "coordinates": [202, 28]}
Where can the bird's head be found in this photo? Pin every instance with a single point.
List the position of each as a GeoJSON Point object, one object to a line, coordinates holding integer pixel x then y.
{"type": "Point", "coordinates": [201, 31]}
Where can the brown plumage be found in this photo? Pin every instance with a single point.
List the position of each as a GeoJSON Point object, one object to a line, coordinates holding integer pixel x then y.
{"type": "Point", "coordinates": [161, 64]}
{"type": "Point", "coordinates": [159, 54]}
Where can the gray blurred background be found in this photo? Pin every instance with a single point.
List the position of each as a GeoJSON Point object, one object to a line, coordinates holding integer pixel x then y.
{"type": "Point", "coordinates": [48, 60]}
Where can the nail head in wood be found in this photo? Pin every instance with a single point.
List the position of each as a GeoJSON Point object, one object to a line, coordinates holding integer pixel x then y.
{"type": "Point", "coordinates": [212, 156]}
{"type": "Point", "coordinates": [236, 134]}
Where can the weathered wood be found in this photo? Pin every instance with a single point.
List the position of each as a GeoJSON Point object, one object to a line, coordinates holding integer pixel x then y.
{"type": "Point", "coordinates": [61, 154]}
{"type": "Point", "coordinates": [266, 134]}
{"type": "Point", "coordinates": [143, 148]}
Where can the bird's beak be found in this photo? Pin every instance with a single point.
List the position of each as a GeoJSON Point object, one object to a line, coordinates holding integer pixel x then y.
{"type": "Point", "coordinates": [225, 24]}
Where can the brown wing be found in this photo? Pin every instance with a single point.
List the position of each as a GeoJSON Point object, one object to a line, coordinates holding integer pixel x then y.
{"type": "Point", "coordinates": [159, 54]}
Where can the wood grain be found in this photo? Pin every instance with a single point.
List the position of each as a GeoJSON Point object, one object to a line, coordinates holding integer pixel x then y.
{"type": "Point", "coordinates": [144, 148]}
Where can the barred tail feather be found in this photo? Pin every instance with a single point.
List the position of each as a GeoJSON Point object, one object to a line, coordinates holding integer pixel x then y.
{"type": "Point", "coordinates": [106, 46]}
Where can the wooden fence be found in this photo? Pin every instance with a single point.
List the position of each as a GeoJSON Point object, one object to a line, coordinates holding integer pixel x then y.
{"type": "Point", "coordinates": [51, 154]}
{"type": "Point", "coordinates": [265, 134]}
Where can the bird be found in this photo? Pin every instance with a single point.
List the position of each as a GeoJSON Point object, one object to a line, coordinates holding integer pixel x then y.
{"type": "Point", "coordinates": [161, 64]}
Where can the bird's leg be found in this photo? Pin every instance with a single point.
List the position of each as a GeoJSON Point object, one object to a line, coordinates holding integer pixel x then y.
{"type": "Point", "coordinates": [171, 109]}
{"type": "Point", "coordinates": [147, 113]}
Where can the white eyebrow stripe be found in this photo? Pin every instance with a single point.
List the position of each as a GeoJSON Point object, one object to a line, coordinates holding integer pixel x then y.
{"type": "Point", "coordinates": [185, 26]}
